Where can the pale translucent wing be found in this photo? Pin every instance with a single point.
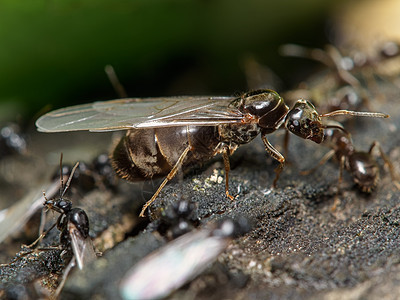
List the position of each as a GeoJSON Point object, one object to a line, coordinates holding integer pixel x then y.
{"type": "Point", "coordinates": [170, 267]}
{"type": "Point", "coordinates": [15, 217]}
{"type": "Point", "coordinates": [141, 113]}
{"type": "Point", "coordinates": [82, 247]}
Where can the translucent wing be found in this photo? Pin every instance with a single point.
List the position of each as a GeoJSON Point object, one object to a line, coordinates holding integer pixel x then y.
{"type": "Point", "coordinates": [81, 246]}
{"type": "Point", "coordinates": [15, 217]}
{"type": "Point", "coordinates": [141, 113]}
{"type": "Point", "coordinates": [173, 265]}
{"type": "Point", "coordinates": [170, 267]}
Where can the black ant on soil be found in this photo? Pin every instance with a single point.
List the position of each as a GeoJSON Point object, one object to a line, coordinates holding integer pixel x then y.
{"type": "Point", "coordinates": [73, 224]}
{"type": "Point", "coordinates": [166, 134]}
{"type": "Point", "coordinates": [360, 164]}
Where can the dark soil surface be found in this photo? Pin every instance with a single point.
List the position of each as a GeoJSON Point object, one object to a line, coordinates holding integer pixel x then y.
{"type": "Point", "coordinates": [309, 238]}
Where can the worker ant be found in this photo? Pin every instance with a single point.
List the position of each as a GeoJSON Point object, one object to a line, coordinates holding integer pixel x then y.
{"type": "Point", "coordinates": [360, 164]}
{"type": "Point", "coordinates": [73, 224]}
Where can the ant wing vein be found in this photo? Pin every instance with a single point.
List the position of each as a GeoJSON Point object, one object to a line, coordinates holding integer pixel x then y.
{"type": "Point", "coordinates": [141, 113]}
{"type": "Point", "coordinates": [82, 247]}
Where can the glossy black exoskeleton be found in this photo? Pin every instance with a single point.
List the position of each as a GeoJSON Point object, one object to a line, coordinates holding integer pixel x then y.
{"type": "Point", "coordinates": [178, 218]}
{"type": "Point", "coordinates": [76, 216]}
{"type": "Point", "coordinates": [73, 223]}
{"type": "Point", "coordinates": [166, 134]}
{"type": "Point", "coordinates": [99, 173]}
{"type": "Point", "coordinates": [101, 164]}
{"type": "Point", "coordinates": [361, 165]}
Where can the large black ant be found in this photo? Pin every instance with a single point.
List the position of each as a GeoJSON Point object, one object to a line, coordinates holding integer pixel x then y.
{"type": "Point", "coordinates": [360, 164]}
{"type": "Point", "coordinates": [166, 134]}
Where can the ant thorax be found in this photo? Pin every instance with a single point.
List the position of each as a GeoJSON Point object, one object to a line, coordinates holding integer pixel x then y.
{"type": "Point", "coordinates": [238, 134]}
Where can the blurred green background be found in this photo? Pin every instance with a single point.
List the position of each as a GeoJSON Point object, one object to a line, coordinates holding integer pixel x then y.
{"type": "Point", "coordinates": [54, 52]}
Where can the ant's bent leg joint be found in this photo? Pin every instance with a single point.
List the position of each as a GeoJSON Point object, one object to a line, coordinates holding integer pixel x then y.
{"type": "Point", "coordinates": [170, 175]}
{"type": "Point", "coordinates": [393, 174]}
{"type": "Point", "coordinates": [276, 155]}
{"type": "Point", "coordinates": [225, 155]}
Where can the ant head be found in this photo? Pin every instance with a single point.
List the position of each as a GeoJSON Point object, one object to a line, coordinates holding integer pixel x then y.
{"type": "Point", "coordinates": [304, 121]}
{"type": "Point", "coordinates": [64, 205]}
{"type": "Point", "coordinates": [60, 205]}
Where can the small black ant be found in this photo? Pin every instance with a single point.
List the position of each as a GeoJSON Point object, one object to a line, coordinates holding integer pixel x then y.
{"type": "Point", "coordinates": [73, 224]}
{"type": "Point", "coordinates": [178, 218]}
{"type": "Point", "coordinates": [360, 164]}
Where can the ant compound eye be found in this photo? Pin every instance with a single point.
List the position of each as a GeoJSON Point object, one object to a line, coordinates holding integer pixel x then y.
{"type": "Point", "coordinates": [304, 121]}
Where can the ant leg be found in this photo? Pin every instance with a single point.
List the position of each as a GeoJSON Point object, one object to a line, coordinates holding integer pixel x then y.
{"type": "Point", "coordinates": [276, 155]}
{"type": "Point", "coordinates": [225, 155]}
{"type": "Point", "coordinates": [71, 264]}
{"type": "Point", "coordinates": [113, 78]}
{"type": "Point", "coordinates": [343, 74]}
{"type": "Point", "coordinates": [41, 236]}
{"type": "Point", "coordinates": [323, 160]}
{"type": "Point", "coordinates": [286, 144]}
{"type": "Point", "coordinates": [170, 175]}
{"type": "Point", "coordinates": [393, 174]}
{"type": "Point", "coordinates": [42, 221]}
{"type": "Point", "coordinates": [41, 226]}
{"type": "Point", "coordinates": [341, 167]}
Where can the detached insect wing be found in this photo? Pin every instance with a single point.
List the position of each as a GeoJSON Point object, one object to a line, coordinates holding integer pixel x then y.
{"type": "Point", "coordinates": [15, 217]}
{"type": "Point", "coordinates": [170, 267]}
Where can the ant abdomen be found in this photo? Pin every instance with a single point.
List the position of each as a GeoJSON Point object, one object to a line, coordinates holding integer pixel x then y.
{"type": "Point", "coordinates": [152, 153]}
{"type": "Point", "coordinates": [364, 170]}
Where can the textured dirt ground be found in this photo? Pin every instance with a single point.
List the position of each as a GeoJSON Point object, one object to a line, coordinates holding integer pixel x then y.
{"type": "Point", "coordinates": [308, 240]}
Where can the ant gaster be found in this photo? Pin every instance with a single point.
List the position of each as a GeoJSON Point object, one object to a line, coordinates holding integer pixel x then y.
{"type": "Point", "coordinates": [166, 134]}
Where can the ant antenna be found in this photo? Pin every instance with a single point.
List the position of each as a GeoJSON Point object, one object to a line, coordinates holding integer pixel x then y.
{"type": "Point", "coordinates": [44, 195]}
{"type": "Point", "coordinates": [335, 126]}
{"type": "Point", "coordinates": [354, 113]}
{"type": "Point", "coordinates": [293, 50]}
{"type": "Point", "coordinates": [61, 174]}
{"type": "Point", "coordinates": [70, 178]}
{"type": "Point", "coordinates": [63, 188]}
{"type": "Point", "coordinates": [112, 76]}
{"type": "Point", "coordinates": [330, 57]}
